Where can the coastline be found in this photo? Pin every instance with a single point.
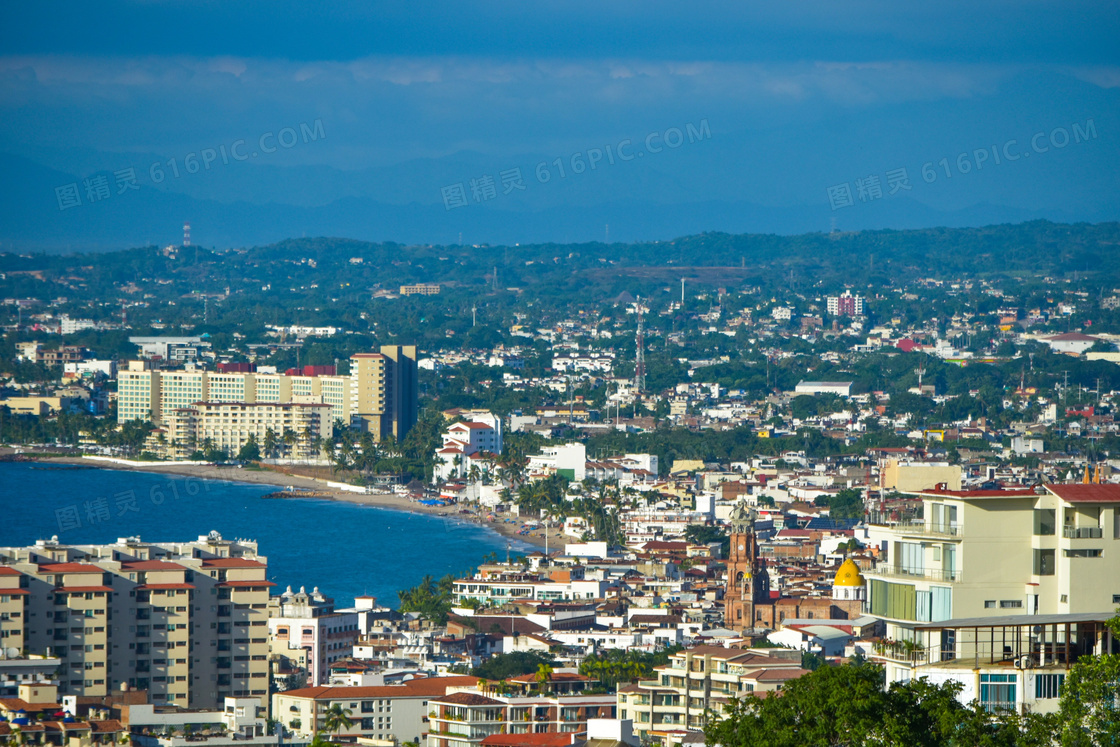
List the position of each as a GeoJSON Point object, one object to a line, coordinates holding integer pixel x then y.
{"type": "Point", "coordinates": [324, 492]}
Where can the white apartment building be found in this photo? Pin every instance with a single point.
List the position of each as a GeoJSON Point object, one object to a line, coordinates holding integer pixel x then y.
{"type": "Point", "coordinates": [568, 460]}
{"type": "Point", "coordinates": [186, 621]}
{"type": "Point", "coordinates": [576, 361]}
{"type": "Point", "coordinates": [481, 434]}
{"type": "Point", "coordinates": [698, 681]}
{"type": "Point", "coordinates": [498, 590]}
{"type": "Point", "coordinates": [379, 712]}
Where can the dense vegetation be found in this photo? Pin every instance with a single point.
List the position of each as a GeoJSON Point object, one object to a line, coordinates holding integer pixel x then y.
{"type": "Point", "coordinates": [847, 706]}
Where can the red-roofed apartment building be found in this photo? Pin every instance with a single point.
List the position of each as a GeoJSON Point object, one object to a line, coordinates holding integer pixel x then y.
{"type": "Point", "coordinates": [481, 434]}
{"type": "Point", "coordinates": [186, 621]}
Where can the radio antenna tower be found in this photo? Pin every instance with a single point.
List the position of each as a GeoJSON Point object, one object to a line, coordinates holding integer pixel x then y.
{"type": "Point", "coordinates": [640, 353]}
{"type": "Point", "coordinates": [186, 234]}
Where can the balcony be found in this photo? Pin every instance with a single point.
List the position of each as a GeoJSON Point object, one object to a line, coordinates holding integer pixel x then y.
{"type": "Point", "coordinates": [919, 527]}
{"type": "Point", "coordinates": [1081, 533]}
{"type": "Point", "coordinates": [930, 574]}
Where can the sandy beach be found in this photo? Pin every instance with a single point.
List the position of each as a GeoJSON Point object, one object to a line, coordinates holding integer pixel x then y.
{"type": "Point", "coordinates": [266, 476]}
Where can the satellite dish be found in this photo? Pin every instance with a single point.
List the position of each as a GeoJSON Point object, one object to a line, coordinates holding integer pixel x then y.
{"type": "Point", "coordinates": [11, 652]}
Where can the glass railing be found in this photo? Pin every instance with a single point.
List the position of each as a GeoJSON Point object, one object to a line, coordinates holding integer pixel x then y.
{"type": "Point", "coordinates": [934, 574]}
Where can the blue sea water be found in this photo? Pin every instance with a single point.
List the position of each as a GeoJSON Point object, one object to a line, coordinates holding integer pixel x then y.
{"type": "Point", "coordinates": [343, 548]}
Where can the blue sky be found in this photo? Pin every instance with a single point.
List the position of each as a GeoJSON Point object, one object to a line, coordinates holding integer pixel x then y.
{"type": "Point", "coordinates": [414, 97]}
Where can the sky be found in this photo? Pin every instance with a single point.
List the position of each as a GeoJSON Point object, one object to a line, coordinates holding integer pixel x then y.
{"type": "Point", "coordinates": [501, 122]}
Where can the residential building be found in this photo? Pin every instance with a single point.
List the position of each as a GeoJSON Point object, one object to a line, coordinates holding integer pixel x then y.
{"type": "Point", "coordinates": [22, 671]}
{"type": "Point", "coordinates": [480, 434]}
{"type": "Point", "coordinates": [840, 388]}
{"type": "Point", "coordinates": [309, 623]}
{"type": "Point", "coordinates": [229, 425]}
{"type": "Point", "coordinates": [384, 391]}
{"type": "Point", "coordinates": [845, 305]}
{"type": "Point", "coordinates": [380, 394]}
{"type": "Point", "coordinates": [1048, 550]}
{"type": "Point", "coordinates": [186, 621]}
{"type": "Point", "coordinates": [398, 712]}
{"type": "Point", "coordinates": [174, 349]}
{"type": "Point", "coordinates": [700, 681]}
{"type": "Point", "coordinates": [1005, 662]}
{"type": "Point", "coordinates": [465, 718]}
{"type": "Point", "coordinates": [420, 289]}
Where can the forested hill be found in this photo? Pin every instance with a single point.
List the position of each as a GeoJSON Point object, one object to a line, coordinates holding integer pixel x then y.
{"type": "Point", "coordinates": [1088, 252]}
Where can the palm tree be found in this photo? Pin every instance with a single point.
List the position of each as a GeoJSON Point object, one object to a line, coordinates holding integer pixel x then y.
{"type": "Point", "coordinates": [289, 440]}
{"type": "Point", "coordinates": [337, 718]}
{"type": "Point", "coordinates": [270, 443]}
{"type": "Point", "coordinates": [308, 437]}
{"type": "Point", "coordinates": [543, 676]}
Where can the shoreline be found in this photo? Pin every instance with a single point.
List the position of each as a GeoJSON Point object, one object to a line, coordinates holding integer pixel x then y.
{"type": "Point", "coordinates": [265, 476]}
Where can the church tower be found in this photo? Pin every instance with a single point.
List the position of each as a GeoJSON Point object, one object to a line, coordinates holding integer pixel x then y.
{"type": "Point", "coordinates": [748, 582]}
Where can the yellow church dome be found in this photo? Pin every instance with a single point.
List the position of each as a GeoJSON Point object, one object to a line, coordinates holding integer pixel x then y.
{"type": "Point", "coordinates": [848, 574]}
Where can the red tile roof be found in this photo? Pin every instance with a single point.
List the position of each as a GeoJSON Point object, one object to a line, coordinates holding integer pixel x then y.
{"type": "Point", "coordinates": [468, 699]}
{"type": "Point", "coordinates": [151, 565]}
{"type": "Point", "coordinates": [6, 571]}
{"type": "Point", "coordinates": [1082, 493]}
{"type": "Point", "coordinates": [69, 568]}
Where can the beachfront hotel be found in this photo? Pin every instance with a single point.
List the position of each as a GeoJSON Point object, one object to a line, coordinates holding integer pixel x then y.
{"type": "Point", "coordinates": [380, 395]}
{"type": "Point", "coordinates": [186, 621]}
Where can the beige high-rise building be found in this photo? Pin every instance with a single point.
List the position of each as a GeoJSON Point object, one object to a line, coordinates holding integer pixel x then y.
{"type": "Point", "coordinates": [384, 391]}
{"type": "Point", "coordinates": [228, 426]}
{"type": "Point", "coordinates": [380, 395]}
{"type": "Point", "coordinates": [186, 621]}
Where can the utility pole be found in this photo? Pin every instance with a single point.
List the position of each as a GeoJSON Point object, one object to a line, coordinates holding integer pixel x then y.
{"type": "Point", "coordinates": [474, 315]}
{"type": "Point", "coordinates": [682, 293]}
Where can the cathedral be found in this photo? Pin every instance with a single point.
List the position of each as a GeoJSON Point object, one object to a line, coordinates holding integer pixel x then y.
{"type": "Point", "coordinates": [748, 602]}
{"type": "Point", "coordinates": [748, 582]}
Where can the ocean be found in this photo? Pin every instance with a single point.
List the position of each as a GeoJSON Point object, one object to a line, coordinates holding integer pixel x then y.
{"type": "Point", "coordinates": [345, 549]}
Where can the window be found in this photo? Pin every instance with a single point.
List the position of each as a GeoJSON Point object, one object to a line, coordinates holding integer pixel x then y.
{"type": "Point", "coordinates": [989, 604]}
{"type": "Point", "coordinates": [1011, 603]}
{"type": "Point", "coordinates": [1044, 521]}
{"type": "Point", "coordinates": [1048, 685]}
{"type": "Point", "coordinates": [1116, 598]}
{"type": "Point", "coordinates": [1044, 562]}
{"type": "Point", "coordinates": [1082, 553]}
{"type": "Point", "coordinates": [997, 692]}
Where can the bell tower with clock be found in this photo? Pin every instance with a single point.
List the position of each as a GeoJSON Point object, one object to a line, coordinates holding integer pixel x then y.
{"type": "Point", "coordinates": [747, 579]}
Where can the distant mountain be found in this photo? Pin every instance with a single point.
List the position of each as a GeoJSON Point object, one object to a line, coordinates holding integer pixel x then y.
{"type": "Point", "coordinates": [643, 205]}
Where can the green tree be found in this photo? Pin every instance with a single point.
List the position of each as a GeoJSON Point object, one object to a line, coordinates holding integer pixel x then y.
{"type": "Point", "coordinates": [250, 451]}
{"type": "Point", "coordinates": [847, 706]}
{"type": "Point", "coordinates": [1090, 704]}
